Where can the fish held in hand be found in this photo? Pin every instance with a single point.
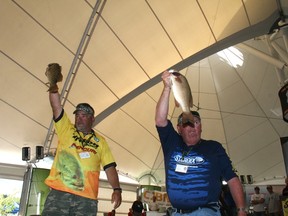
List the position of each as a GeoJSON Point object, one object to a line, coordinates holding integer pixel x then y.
{"type": "Point", "coordinates": [182, 94]}
{"type": "Point", "coordinates": [54, 75]}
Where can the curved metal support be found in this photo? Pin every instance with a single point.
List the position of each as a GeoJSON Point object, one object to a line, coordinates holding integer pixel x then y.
{"type": "Point", "coordinates": [150, 176]}
{"type": "Point", "coordinates": [259, 29]}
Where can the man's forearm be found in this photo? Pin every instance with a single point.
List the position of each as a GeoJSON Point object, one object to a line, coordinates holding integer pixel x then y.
{"type": "Point", "coordinates": [236, 190]}
{"type": "Point", "coordinates": [55, 103]}
{"type": "Point", "coordinates": [162, 107]}
{"type": "Point", "coordinates": [112, 177]}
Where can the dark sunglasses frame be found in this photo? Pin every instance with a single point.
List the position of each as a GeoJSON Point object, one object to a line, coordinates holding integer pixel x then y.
{"type": "Point", "coordinates": [188, 123]}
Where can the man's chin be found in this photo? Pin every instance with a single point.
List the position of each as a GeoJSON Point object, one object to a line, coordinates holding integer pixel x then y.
{"type": "Point", "coordinates": [80, 128]}
{"type": "Point", "coordinates": [192, 140]}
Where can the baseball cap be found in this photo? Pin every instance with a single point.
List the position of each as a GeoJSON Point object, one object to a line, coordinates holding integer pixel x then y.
{"type": "Point", "coordinates": [85, 107]}
{"type": "Point", "coordinates": [194, 113]}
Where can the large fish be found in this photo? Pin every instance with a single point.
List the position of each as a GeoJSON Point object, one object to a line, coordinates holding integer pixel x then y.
{"type": "Point", "coordinates": [182, 94]}
{"type": "Point", "coordinates": [69, 170]}
{"type": "Point", "coordinates": [54, 75]}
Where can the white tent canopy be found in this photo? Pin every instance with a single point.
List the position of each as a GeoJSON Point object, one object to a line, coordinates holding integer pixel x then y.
{"type": "Point", "coordinates": [113, 53]}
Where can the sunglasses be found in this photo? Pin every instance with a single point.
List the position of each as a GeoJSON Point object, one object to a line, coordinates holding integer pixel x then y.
{"type": "Point", "coordinates": [186, 124]}
{"type": "Point", "coordinates": [189, 123]}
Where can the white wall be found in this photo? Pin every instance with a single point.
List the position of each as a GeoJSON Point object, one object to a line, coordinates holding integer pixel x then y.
{"type": "Point", "coordinates": [104, 198]}
{"type": "Point", "coordinates": [12, 171]}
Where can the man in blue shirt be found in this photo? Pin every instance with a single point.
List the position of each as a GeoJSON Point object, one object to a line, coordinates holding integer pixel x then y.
{"type": "Point", "coordinates": [194, 167]}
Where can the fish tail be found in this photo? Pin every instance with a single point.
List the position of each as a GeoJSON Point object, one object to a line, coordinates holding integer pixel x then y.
{"type": "Point", "coordinates": [187, 117]}
{"type": "Point", "coordinates": [60, 78]}
{"type": "Point", "coordinates": [53, 88]}
{"type": "Point", "coordinates": [176, 103]}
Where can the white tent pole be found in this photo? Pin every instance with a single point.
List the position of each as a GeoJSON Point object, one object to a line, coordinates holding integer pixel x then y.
{"type": "Point", "coordinates": [78, 55]}
{"type": "Point", "coordinates": [72, 72]}
{"type": "Point", "coordinates": [273, 52]}
{"type": "Point", "coordinates": [281, 52]}
{"type": "Point", "coordinates": [285, 37]}
{"type": "Point", "coordinates": [27, 179]}
{"type": "Point", "coordinates": [279, 64]}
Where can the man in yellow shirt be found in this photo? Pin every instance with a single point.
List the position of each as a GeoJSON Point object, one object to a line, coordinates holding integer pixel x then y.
{"type": "Point", "coordinates": [74, 176]}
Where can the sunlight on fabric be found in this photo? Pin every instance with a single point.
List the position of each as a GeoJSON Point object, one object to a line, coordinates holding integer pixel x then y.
{"type": "Point", "coordinates": [231, 56]}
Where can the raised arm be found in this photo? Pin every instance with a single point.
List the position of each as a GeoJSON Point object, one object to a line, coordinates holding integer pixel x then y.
{"type": "Point", "coordinates": [162, 107]}
{"type": "Point", "coordinates": [55, 104]}
{"type": "Point", "coordinates": [54, 75]}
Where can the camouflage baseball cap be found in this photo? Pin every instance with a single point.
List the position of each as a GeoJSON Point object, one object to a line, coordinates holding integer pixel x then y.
{"type": "Point", "coordinates": [85, 107]}
{"type": "Point", "coordinates": [194, 113]}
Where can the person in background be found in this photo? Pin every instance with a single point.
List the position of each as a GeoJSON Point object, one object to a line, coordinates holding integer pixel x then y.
{"type": "Point", "coordinates": [194, 167]}
{"type": "Point", "coordinates": [274, 204]}
{"type": "Point", "coordinates": [285, 190]}
{"type": "Point", "coordinates": [258, 202]}
{"type": "Point", "coordinates": [130, 213]}
{"type": "Point", "coordinates": [153, 206]}
{"type": "Point", "coordinates": [137, 207]}
{"type": "Point", "coordinates": [74, 176]}
{"type": "Point", "coordinates": [112, 213]}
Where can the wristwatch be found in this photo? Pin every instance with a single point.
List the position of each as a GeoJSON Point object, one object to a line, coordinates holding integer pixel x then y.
{"type": "Point", "coordinates": [117, 189]}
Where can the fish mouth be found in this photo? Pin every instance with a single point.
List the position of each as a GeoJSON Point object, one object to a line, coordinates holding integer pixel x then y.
{"type": "Point", "coordinates": [176, 73]}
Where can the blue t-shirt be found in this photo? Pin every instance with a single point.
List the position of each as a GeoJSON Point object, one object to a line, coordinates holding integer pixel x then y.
{"type": "Point", "coordinates": [194, 174]}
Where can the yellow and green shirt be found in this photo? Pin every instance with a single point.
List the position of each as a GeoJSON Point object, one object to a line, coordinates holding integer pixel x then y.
{"type": "Point", "coordinates": [76, 167]}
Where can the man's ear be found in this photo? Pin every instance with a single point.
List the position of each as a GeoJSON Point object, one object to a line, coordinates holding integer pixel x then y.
{"type": "Point", "coordinates": [179, 129]}
{"type": "Point", "coordinates": [93, 118]}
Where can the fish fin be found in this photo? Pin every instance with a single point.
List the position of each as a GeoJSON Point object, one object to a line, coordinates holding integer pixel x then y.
{"type": "Point", "coordinates": [191, 101]}
{"type": "Point", "coordinates": [178, 79]}
{"type": "Point", "coordinates": [176, 103]}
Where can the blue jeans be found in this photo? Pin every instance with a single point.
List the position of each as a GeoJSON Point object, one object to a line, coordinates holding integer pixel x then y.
{"type": "Point", "coordinates": [199, 212]}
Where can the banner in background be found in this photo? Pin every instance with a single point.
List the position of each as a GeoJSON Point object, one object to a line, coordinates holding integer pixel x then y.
{"type": "Point", "coordinates": [38, 191]}
{"type": "Point", "coordinates": [161, 197]}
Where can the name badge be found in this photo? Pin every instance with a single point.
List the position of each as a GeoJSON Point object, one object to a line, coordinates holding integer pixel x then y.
{"type": "Point", "coordinates": [84, 155]}
{"type": "Point", "coordinates": [181, 168]}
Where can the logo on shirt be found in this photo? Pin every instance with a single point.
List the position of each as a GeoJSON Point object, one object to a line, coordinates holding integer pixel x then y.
{"type": "Point", "coordinates": [189, 160]}
{"type": "Point", "coordinates": [86, 142]}
{"type": "Point", "coordinates": [74, 145]}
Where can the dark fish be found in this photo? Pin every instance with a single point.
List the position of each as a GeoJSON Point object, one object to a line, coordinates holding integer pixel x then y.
{"type": "Point", "coordinates": [54, 75]}
{"type": "Point", "coordinates": [182, 94]}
